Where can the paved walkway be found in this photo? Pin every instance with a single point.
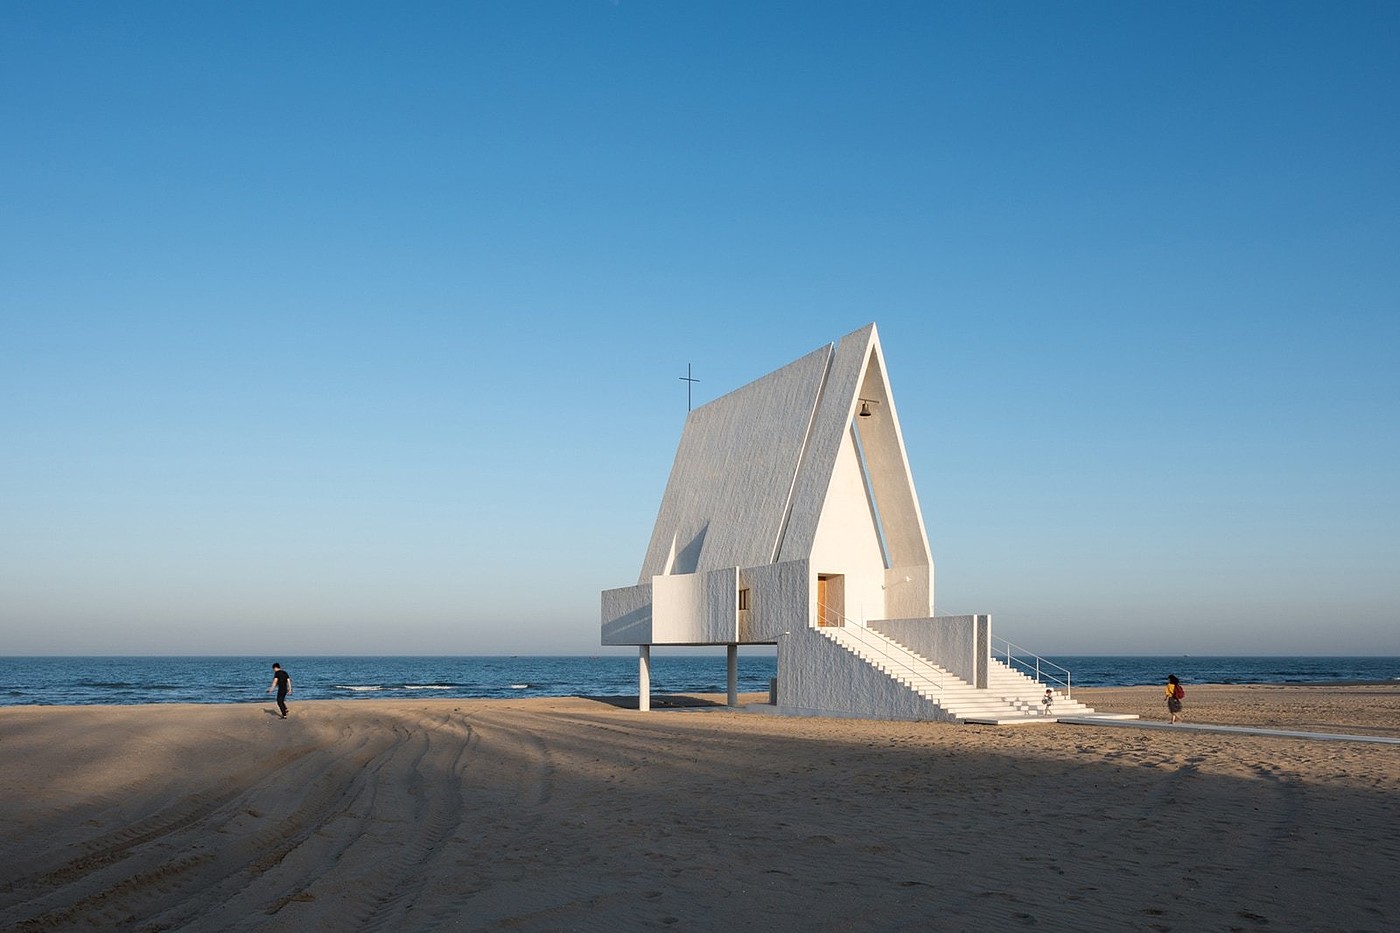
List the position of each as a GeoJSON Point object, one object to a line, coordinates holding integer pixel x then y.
{"type": "Point", "coordinates": [1238, 730]}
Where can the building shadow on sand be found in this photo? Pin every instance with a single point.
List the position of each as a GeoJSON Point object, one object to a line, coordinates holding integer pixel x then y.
{"type": "Point", "coordinates": [660, 701]}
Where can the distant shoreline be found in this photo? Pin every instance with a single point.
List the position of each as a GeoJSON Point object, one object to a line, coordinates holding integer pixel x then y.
{"type": "Point", "coordinates": [212, 680]}
{"type": "Point", "coordinates": [697, 699]}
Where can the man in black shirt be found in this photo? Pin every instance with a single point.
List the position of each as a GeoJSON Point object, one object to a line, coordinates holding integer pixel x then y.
{"type": "Point", "coordinates": [282, 683]}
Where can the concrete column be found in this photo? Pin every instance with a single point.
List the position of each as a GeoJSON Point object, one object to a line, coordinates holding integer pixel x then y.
{"type": "Point", "coordinates": [733, 651]}
{"type": "Point", "coordinates": [982, 648]}
{"type": "Point", "coordinates": [644, 678]}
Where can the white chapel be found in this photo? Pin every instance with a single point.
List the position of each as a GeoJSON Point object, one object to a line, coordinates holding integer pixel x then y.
{"type": "Point", "coordinates": [790, 519]}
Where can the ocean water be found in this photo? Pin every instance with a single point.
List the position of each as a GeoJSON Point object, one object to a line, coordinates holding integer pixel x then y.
{"type": "Point", "coordinates": [130, 680]}
{"type": "Point", "coordinates": [1131, 671]}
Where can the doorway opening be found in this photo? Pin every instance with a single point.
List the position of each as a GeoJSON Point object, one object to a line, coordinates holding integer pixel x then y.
{"type": "Point", "coordinates": [831, 599]}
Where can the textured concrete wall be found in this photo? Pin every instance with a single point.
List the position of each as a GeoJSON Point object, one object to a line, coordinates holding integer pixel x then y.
{"type": "Point", "coordinates": [720, 607]}
{"type": "Point", "coordinates": [951, 642]}
{"type": "Point", "coordinates": [830, 422]}
{"type": "Point", "coordinates": [627, 615]}
{"type": "Point", "coordinates": [778, 600]}
{"type": "Point", "coordinates": [688, 609]}
{"type": "Point", "coordinates": [984, 649]}
{"type": "Point", "coordinates": [817, 675]}
{"type": "Point", "coordinates": [727, 496]}
{"type": "Point", "coordinates": [906, 591]}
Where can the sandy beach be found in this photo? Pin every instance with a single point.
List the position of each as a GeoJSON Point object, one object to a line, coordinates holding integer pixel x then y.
{"type": "Point", "coordinates": [580, 814]}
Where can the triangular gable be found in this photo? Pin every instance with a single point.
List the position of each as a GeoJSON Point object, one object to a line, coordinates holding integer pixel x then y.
{"type": "Point", "coordinates": [887, 462]}
{"type": "Point", "coordinates": [754, 470]}
{"type": "Point", "coordinates": [858, 372]}
{"type": "Point", "coordinates": [829, 426]}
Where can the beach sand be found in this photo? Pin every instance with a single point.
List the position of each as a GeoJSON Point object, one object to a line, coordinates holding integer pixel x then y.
{"type": "Point", "coordinates": [579, 814]}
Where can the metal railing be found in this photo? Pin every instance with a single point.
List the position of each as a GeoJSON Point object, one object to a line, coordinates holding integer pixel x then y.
{"type": "Point", "coordinates": [879, 644]}
{"type": "Point", "coordinates": [1033, 664]}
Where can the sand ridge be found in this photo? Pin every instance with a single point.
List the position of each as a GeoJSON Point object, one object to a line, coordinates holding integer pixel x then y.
{"type": "Point", "coordinates": [576, 814]}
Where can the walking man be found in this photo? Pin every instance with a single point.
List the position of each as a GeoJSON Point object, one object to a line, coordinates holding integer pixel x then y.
{"type": "Point", "coordinates": [282, 683]}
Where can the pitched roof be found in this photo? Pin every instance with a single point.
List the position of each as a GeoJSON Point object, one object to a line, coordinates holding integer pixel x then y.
{"type": "Point", "coordinates": [753, 468]}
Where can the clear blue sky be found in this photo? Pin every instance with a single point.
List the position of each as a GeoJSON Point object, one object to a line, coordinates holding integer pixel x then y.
{"type": "Point", "coordinates": [357, 328]}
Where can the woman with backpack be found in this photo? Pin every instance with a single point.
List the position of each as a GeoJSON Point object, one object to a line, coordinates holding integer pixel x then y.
{"type": "Point", "coordinates": [1175, 692]}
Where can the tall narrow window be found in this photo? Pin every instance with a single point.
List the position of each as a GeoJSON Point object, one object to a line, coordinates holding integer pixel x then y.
{"type": "Point", "coordinates": [744, 599]}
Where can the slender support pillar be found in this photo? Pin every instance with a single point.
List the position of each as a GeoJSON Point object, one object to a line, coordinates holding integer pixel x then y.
{"type": "Point", "coordinates": [733, 652]}
{"type": "Point", "coordinates": [644, 678]}
{"type": "Point", "coordinates": [982, 638]}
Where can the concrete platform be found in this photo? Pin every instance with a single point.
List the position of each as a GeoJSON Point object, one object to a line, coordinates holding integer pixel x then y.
{"type": "Point", "coordinates": [1033, 719]}
{"type": "Point", "coordinates": [1008, 720]}
{"type": "Point", "coordinates": [1237, 730]}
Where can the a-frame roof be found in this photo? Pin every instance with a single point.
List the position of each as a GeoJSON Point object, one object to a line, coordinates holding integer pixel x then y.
{"type": "Point", "coordinates": [754, 467]}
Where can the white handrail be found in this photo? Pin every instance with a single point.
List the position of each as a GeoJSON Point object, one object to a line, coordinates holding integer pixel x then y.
{"type": "Point", "coordinates": [1040, 675]}
{"type": "Point", "coordinates": [881, 645]}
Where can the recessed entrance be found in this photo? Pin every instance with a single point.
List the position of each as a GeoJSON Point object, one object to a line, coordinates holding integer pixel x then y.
{"type": "Point", "coordinates": [831, 599]}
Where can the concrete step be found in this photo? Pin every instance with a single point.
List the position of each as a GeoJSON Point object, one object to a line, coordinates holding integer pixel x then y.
{"type": "Point", "coordinates": [1008, 720]}
{"type": "Point", "coordinates": [1010, 698]}
{"type": "Point", "coordinates": [1085, 720]}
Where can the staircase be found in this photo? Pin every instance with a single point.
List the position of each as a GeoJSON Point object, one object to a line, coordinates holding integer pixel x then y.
{"type": "Point", "coordinates": [1011, 698]}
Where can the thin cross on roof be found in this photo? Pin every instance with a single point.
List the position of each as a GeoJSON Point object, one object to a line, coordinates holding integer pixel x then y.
{"type": "Point", "coordinates": [689, 384]}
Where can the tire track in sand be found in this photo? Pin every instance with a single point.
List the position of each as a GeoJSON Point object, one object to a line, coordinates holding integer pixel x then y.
{"type": "Point", "coordinates": [171, 866]}
{"type": "Point", "coordinates": [424, 779]}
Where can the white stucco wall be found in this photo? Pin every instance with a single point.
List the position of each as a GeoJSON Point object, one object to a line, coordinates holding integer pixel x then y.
{"type": "Point", "coordinates": [907, 590]}
{"type": "Point", "coordinates": [846, 541]}
{"type": "Point", "coordinates": [627, 615]}
{"type": "Point", "coordinates": [830, 422]}
{"type": "Point", "coordinates": [778, 600]}
{"type": "Point", "coordinates": [959, 644]}
{"type": "Point", "coordinates": [856, 372]}
{"type": "Point", "coordinates": [893, 482]}
{"type": "Point", "coordinates": [766, 493]}
{"type": "Point", "coordinates": [720, 607]}
{"type": "Point", "coordinates": [696, 608]}
{"type": "Point", "coordinates": [677, 604]}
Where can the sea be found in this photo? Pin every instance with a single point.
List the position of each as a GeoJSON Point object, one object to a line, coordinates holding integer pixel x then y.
{"type": "Point", "coordinates": [64, 681]}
